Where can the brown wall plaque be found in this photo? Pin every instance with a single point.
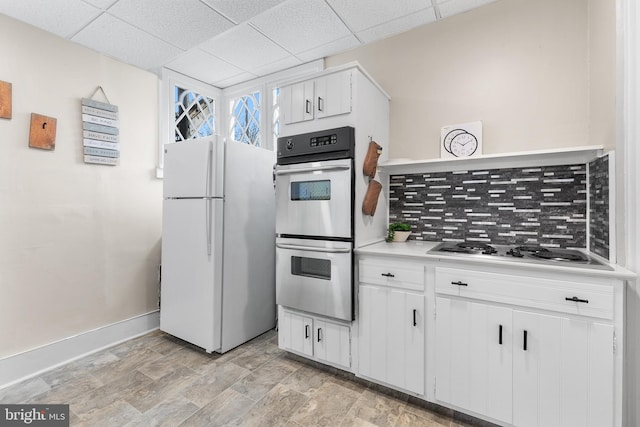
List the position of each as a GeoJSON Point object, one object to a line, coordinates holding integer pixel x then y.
{"type": "Point", "coordinates": [5, 100]}
{"type": "Point", "coordinates": [42, 133]}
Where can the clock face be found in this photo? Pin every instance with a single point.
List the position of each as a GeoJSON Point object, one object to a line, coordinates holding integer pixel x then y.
{"type": "Point", "coordinates": [463, 144]}
{"type": "Point", "coordinates": [446, 142]}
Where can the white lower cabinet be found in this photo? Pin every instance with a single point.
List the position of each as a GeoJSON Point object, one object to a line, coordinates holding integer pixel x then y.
{"type": "Point", "coordinates": [391, 337]}
{"type": "Point", "coordinates": [519, 366]}
{"type": "Point", "coordinates": [474, 357]}
{"type": "Point", "coordinates": [315, 337]}
{"type": "Point", "coordinates": [562, 371]}
{"type": "Point", "coordinates": [391, 323]}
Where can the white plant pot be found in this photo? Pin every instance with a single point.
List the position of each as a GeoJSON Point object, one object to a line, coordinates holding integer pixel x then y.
{"type": "Point", "coordinates": [400, 236]}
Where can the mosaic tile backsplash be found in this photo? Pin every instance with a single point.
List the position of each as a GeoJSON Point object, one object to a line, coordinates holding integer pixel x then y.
{"type": "Point", "coordinates": [541, 205]}
{"type": "Point", "coordinates": [599, 206]}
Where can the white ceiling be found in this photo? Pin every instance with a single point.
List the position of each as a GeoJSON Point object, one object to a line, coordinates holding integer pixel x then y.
{"type": "Point", "coordinates": [224, 42]}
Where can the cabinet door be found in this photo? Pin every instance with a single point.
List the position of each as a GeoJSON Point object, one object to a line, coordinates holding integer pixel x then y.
{"type": "Point", "coordinates": [405, 347]}
{"type": "Point", "coordinates": [296, 102]}
{"type": "Point", "coordinates": [372, 355]}
{"type": "Point", "coordinates": [563, 376]}
{"type": "Point", "coordinates": [333, 94]}
{"type": "Point", "coordinates": [295, 333]}
{"type": "Point", "coordinates": [391, 343]}
{"type": "Point", "coordinates": [474, 357]}
{"type": "Point", "coordinates": [332, 343]}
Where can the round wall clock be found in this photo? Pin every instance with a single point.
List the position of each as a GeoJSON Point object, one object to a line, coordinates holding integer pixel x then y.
{"type": "Point", "coordinates": [461, 140]}
{"type": "Point", "coordinates": [463, 145]}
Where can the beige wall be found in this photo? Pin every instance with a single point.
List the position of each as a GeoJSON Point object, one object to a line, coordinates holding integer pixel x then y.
{"type": "Point", "coordinates": [79, 243]}
{"type": "Point", "coordinates": [602, 73]}
{"type": "Point", "coordinates": [520, 66]}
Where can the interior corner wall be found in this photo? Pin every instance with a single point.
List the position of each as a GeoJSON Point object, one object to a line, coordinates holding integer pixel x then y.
{"type": "Point", "coordinates": [602, 73]}
{"type": "Point", "coordinates": [79, 243]}
{"type": "Point", "coordinates": [522, 67]}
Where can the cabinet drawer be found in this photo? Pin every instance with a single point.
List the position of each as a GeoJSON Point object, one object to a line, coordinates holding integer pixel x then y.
{"type": "Point", "coordinates": [564, 296]}
{"type": "Point", "coordinates": [396, 273]}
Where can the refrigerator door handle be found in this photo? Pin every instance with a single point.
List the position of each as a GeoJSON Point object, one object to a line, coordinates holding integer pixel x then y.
{"type": "Point", "coordinates": [208, 225]}
{"type": "Point", "coordinates": [209, 172]}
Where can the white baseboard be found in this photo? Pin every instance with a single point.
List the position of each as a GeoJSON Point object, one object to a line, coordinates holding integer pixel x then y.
{"type": "Point", "coordinates": [32, 362]}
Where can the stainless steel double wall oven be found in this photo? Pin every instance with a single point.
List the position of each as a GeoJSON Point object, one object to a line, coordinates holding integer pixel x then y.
{"type": "Point", "coordinates": [314, 222]}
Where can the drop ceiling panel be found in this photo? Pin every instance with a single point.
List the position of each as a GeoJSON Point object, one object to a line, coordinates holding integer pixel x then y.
{"type": "Point", "coordinates": [61, 18]}
{"type": "Point", "coordinates": [362, 14]}
{"type": "Point", "coordinates": [203, 66]}
{"type": "Point", "coordinates": [224, 41]}
{"type": "Point", "coordinates": [453, 7]}
{"type": "Point", "coordinates": [183, 23]}
{"type": "Point", "coordinates": [102, 4]}
{"type": "Point", "coordinates": [331, 48]}
{"type": "Point", "coordinates": [113, 37]}
{"type": "Point", "coordinates": [257, 50]}
{"type": "Point", "coordinates": [239, 78]}
{"type": "Point", "coordinates": [290, 61]}
{"type": "Point", "coordinates": [242, 10]}
{"type": "Point", "coordinates": [301, 25]}
{"type": "Point", "coordinates": [399, 25]}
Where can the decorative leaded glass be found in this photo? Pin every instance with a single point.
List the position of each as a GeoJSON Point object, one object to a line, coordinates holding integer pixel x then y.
{"type": "Point", "coordinates": [194, 115]}
{"type": "Point", "coordinates": [245, 119]}
{"type": "Point", "coordinates": [275, 118]}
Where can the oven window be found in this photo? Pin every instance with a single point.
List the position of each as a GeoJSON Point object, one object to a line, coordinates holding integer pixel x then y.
{"type": "Point", "coordinates": [311, 267]}
{"type": "Point", "coordinates": [311, 190]}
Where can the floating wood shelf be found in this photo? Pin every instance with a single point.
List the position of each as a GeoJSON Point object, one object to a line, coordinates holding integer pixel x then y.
{"type": "Point", "coordinates": [560, 156]}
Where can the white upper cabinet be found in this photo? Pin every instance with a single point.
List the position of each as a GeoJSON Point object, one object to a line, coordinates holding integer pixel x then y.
{"type": "Point", "coordinates": [325, 96]}
{"type": "Point", "coordinates": [333, 94]}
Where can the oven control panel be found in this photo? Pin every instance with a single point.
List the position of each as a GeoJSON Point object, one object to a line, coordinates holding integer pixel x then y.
{"type": "Point", "coordinates": [330, 144]}
{"type": "Point", "coordinates": [321, 141]}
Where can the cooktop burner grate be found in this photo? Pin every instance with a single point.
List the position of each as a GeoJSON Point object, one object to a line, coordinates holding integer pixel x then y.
{"type": "Point", "coordinates": [527, 253]}
{"type": "Point", "coordinates": [531, 248]}
{"type": "Point", "coordinates": [560, 256]}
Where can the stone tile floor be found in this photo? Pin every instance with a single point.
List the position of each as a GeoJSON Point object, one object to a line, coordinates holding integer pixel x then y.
{"type": "Point", "coordinates": [158, 380]}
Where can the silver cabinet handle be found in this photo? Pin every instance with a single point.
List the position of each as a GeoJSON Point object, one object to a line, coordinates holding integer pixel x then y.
{"type": "Point", "coordinates": [313, 249]}
{"type": "Point", "coordinates": [309, 170]}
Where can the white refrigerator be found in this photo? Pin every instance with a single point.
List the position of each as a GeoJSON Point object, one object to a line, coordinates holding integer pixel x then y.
{"type": "Point", "coordinates": [218, 243]}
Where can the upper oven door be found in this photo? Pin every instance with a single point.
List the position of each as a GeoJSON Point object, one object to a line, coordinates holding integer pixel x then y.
{"type": "Point", "coordinates": [314, 199]}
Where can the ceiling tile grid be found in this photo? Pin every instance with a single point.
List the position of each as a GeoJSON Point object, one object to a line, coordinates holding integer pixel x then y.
{"type": "Point", "coordinates": [203, 66]}
{"type": "Point", "coordinates": [241, 10]}
{"type": "Point", "coordinates": [300, 25]}
{"type": "Point", "coordinates": [60, 18]}
{"type": "Point", "coordinates": [122, 41]}
{"type": "Point", "coordinates": [102, 4]}
{"type": "Point", "coordinates": [183, 23]}
{"type": "Point", "coordinates": [225, 42]}
{"type": "Point", "coordinates": [399, 25]}
{"type": "Point", "coordinates": [257, 50]}
{"type": "Point", "coordinates": [363, 14]}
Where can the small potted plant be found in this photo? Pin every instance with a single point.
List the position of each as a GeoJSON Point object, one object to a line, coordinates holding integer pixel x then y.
{"type": "Point", "coordinates": [398, 232]}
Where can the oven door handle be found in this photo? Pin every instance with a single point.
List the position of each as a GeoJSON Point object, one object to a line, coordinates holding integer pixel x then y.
{"type": "Point", "coordinates": [312, 169]}
{"type": "Point", "coordinates": [313, 249]}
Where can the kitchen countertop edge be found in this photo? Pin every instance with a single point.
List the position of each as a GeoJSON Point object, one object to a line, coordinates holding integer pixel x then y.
{"type": "Point", "coordinates": [419, 249]}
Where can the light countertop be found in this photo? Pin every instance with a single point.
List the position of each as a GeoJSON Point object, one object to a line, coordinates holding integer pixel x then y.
{"type": "Point", "coordinates": [418, 250]}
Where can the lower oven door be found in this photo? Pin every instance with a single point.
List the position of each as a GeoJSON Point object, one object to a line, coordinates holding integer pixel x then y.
{"type": "Point", "coordinates": [315, 276]}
